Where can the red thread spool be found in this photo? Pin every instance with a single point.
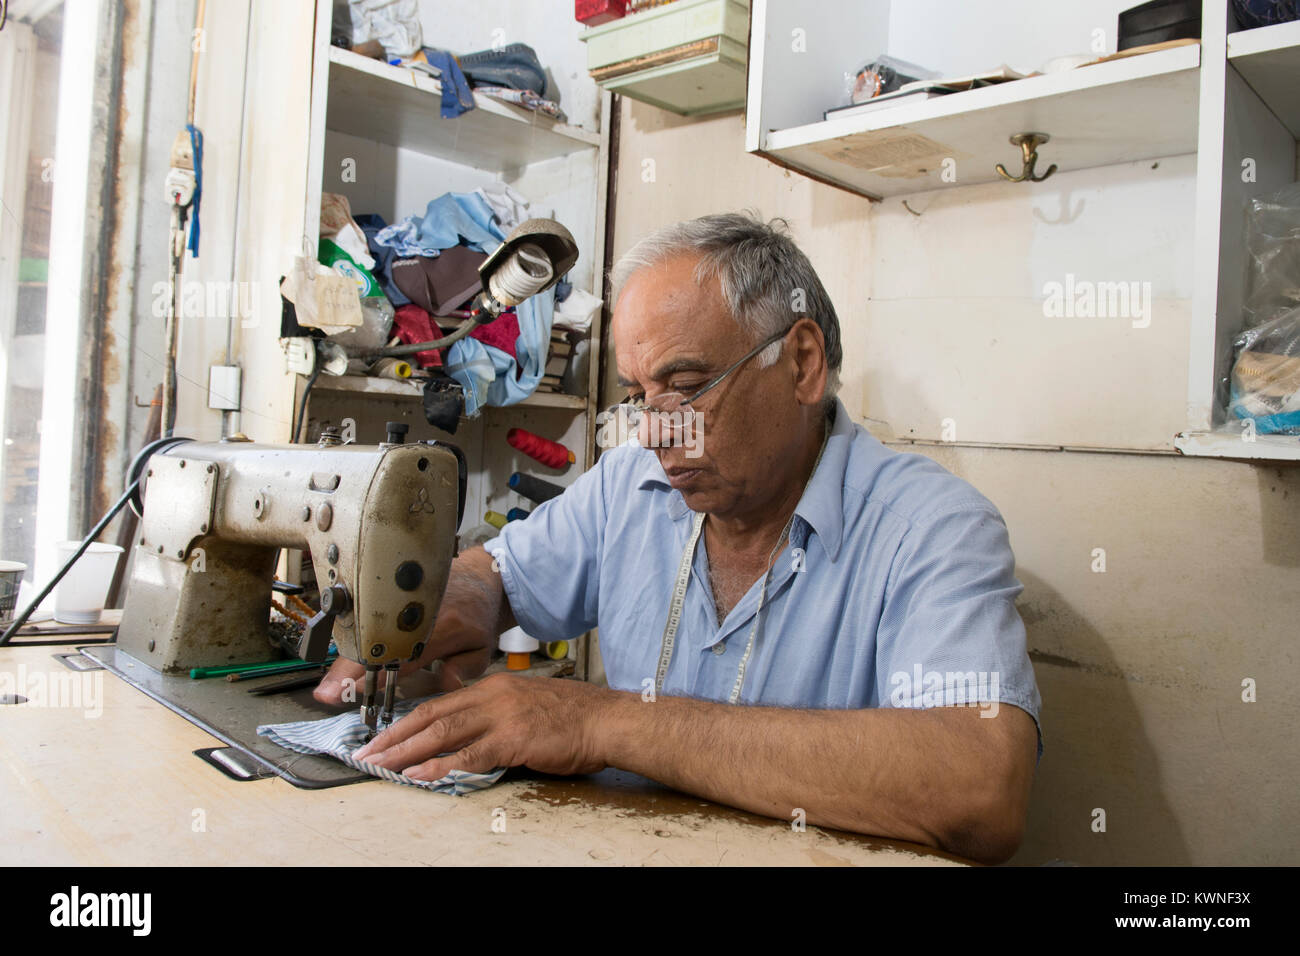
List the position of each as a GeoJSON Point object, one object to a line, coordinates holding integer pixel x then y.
{"type": "Point", "coordinates": [550, 453]}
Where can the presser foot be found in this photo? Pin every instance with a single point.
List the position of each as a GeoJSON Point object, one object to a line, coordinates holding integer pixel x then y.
{"type": "Point", "coordinates": [370, 712]}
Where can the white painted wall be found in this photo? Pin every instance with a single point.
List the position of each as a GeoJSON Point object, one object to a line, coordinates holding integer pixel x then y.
{"type": "Point", "coordinates": [1140, 668]}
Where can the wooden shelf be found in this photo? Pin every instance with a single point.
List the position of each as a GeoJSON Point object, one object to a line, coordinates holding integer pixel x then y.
{"type": "Point", "coordinates": [1268, 58]}
{"type": "Point", "coordinates": [1231, 445]}
{"type": "Point", "coordinates": [1140, 107]}
{"type": "Point", "coordinates": [395, 388]}
{"type": "Point", "coordinates": [400, 107]}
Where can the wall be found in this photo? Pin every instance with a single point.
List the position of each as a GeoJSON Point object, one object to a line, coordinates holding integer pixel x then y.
{"type": "Point", "coordinates": [1140, 667]}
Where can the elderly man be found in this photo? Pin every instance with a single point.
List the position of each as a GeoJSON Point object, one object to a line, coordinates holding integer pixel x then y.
{"type": "Point", "coordinates": [793, 619]}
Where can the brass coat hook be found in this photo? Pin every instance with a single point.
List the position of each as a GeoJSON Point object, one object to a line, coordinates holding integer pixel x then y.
{"type": "Point", "coordinates": [1028, 143]}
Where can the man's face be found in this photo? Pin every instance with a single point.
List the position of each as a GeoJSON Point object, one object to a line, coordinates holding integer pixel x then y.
{"type": "Point", "coordinates": [672, 335]}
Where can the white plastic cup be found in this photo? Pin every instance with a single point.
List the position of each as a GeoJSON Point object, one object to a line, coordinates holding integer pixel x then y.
{"type": "Point", "coordinates": [79, 598]}
{"type": "Point", "coordinates": [11, 577]}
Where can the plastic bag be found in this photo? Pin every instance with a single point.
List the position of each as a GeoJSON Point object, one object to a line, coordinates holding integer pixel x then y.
{"type": "Point", "coordinates": [1265, 383]}
{"type": "Point", "coordinates": [1273, 256]}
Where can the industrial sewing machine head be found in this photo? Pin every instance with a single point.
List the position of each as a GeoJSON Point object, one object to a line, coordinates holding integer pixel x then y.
{"type": "Point", "coordinates": [378, 520]}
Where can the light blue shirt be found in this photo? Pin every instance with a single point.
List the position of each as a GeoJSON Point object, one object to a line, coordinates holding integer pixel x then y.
{"type": "Point", "coordinates": [896, 589]}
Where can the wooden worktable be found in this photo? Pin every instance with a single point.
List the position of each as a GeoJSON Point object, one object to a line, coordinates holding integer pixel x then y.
{"type": "Point", "coordinates": [124, 788]}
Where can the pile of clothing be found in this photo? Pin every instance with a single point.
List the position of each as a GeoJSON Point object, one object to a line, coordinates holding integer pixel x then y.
{"type": "Point", "coordinates": [390, 29]}
{"type": "Point", "coordinates": [414, 281]}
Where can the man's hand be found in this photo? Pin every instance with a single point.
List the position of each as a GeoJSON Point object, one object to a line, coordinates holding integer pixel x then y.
{"type": "Point", "coordinates": [343, 681]}
{"type": "Point", "coordinates": [473, 612]}
{"type": "Point", "coordinates": [547, 724]}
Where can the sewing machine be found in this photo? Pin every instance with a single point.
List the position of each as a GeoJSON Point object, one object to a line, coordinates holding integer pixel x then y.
{"type": "Point", "coordinates": [378, 520]}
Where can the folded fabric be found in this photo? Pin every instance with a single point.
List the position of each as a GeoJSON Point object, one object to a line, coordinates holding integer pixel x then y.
{"type": "Point", "coordinates": [577, 311]}
{"type": "Point", "coordinates": [440, 285]}
{"type": "Point", "coordinates": [371, 225]}
{"type": "Point", "coordinates": [525, 98]}
{"type": "Point", "coordinates": [514, 66]}
{"type": "Point", "coordinates": [457, 97]}
{"type": "Point", "coordinates": [339, 737]}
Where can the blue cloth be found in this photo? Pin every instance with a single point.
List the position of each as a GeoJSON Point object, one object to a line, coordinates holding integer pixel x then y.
{"type": "Point", "coordinates": [340, 736]}
{"type": "Point", "coordinates": [403, 238]}
{"type": "Point", "coordinates": [454, 218]}
{"type": "Point", "coordinates": [372, 224]}
{"type": "Point", "coordinates": [196, 150]}
{"type": "Point", "coordinates": [447, 221]}
{"type": "Point", "coordinates": [490, 376]}
{"type": "Point", "coordinates": [902, 584]}
{"type": "Point", "coordinates": [457, 97]}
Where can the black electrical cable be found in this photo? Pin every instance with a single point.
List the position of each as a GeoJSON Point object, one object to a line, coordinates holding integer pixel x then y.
{"type": "Point", "coordinates": [301, 418]}
{"type": "Point", "coordinates": [128, 496]}
{"type": "Point", "coordinates": [397, 351]}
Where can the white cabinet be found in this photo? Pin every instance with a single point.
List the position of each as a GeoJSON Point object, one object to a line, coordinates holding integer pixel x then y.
{"type": "Point", "coordinates": [1231, 103]}
{"type": "Point", "coordinates": [319, 119]}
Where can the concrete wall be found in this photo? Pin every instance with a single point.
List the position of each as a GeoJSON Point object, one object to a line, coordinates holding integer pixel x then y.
{"type": "Point", "coordinates": [1140, 666]}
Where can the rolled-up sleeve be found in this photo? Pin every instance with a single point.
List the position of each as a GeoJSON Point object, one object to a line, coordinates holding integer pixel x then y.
{"type": "Point", "coordinates": [550, 561]}
{"type": "Point", "coordinates": [950, 634]}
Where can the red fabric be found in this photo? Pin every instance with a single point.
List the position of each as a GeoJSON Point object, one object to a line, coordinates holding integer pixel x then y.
{"type": "Point", "coordinates": [412, 324]}
{"type": "Point", "coordinates": [501, 334]}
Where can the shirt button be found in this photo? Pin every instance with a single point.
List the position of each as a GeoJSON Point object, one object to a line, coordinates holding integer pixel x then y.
{"type": "Point", "coordinates": [720, 647]}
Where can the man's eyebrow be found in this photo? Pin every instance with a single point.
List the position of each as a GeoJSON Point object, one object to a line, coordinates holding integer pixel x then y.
{"type": "Point", "coordinates": [669, 368]}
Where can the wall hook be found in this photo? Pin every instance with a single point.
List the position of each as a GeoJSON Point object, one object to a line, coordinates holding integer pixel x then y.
{"type": "Point", "coordinates": [1028, 143]}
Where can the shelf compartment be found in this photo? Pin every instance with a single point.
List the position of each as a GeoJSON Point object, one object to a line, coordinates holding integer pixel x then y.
{"type": "Point", "coordinates": [395, 388]}
{"type": "Point", "coordinates": [400, 107]}
{"type": "Point", "coordinates": [1268, 58]}
{"type": "Point", "coordinates": [1136, 108]}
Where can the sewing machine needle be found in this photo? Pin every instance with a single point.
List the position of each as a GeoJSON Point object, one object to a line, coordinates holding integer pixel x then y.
{"type": "Point", "coordinates": [390, 692]}
{"type": "Point", "coordinates": [369, 712]}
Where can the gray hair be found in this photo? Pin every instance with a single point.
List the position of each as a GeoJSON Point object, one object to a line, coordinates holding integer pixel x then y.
{"type": "Point", "coordinates": [766, 280]}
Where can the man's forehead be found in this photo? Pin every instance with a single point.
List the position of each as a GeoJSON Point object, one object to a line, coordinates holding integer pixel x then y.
{"type": "Point", "coordinates": [667, 321]}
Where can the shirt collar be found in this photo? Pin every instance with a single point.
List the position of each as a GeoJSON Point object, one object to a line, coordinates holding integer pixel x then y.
{"type": "Point", "coordinates": [822, 504]}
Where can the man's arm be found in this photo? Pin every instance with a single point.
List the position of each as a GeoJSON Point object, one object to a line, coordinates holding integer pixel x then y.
{"type": "Point", "coordinates": [473, 612]}
{"type": "Point", "coordinates": [945, 777]}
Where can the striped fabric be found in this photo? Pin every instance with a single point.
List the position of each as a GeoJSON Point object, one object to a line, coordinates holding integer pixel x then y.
{"type": "Point", "coordinates": [339, 736]}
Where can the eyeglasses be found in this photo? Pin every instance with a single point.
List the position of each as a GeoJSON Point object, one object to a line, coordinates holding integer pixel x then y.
{"type": "Point", "coordinates": [671, 413]}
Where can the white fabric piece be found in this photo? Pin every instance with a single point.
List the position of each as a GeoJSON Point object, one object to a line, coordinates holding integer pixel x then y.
{"type": "Point", "coordinates": [577, 311]}
{"type": "Point", "coordinates": [509, 208]}
{"type": "Point", "coordinates": [394, 23]}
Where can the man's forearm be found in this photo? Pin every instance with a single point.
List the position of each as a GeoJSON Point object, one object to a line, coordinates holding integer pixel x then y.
{"type": "Point", "coordinates": [474, 609]}
{"type": "Point", "coordinates": [918, 775]}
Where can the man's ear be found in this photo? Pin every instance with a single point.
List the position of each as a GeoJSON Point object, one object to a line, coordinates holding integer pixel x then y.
{"type": "Point", "coordinates": [808, 351]}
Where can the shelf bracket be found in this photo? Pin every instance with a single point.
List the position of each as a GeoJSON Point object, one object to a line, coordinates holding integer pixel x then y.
{"type": "Point", "coordinates": [1028, 143]}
